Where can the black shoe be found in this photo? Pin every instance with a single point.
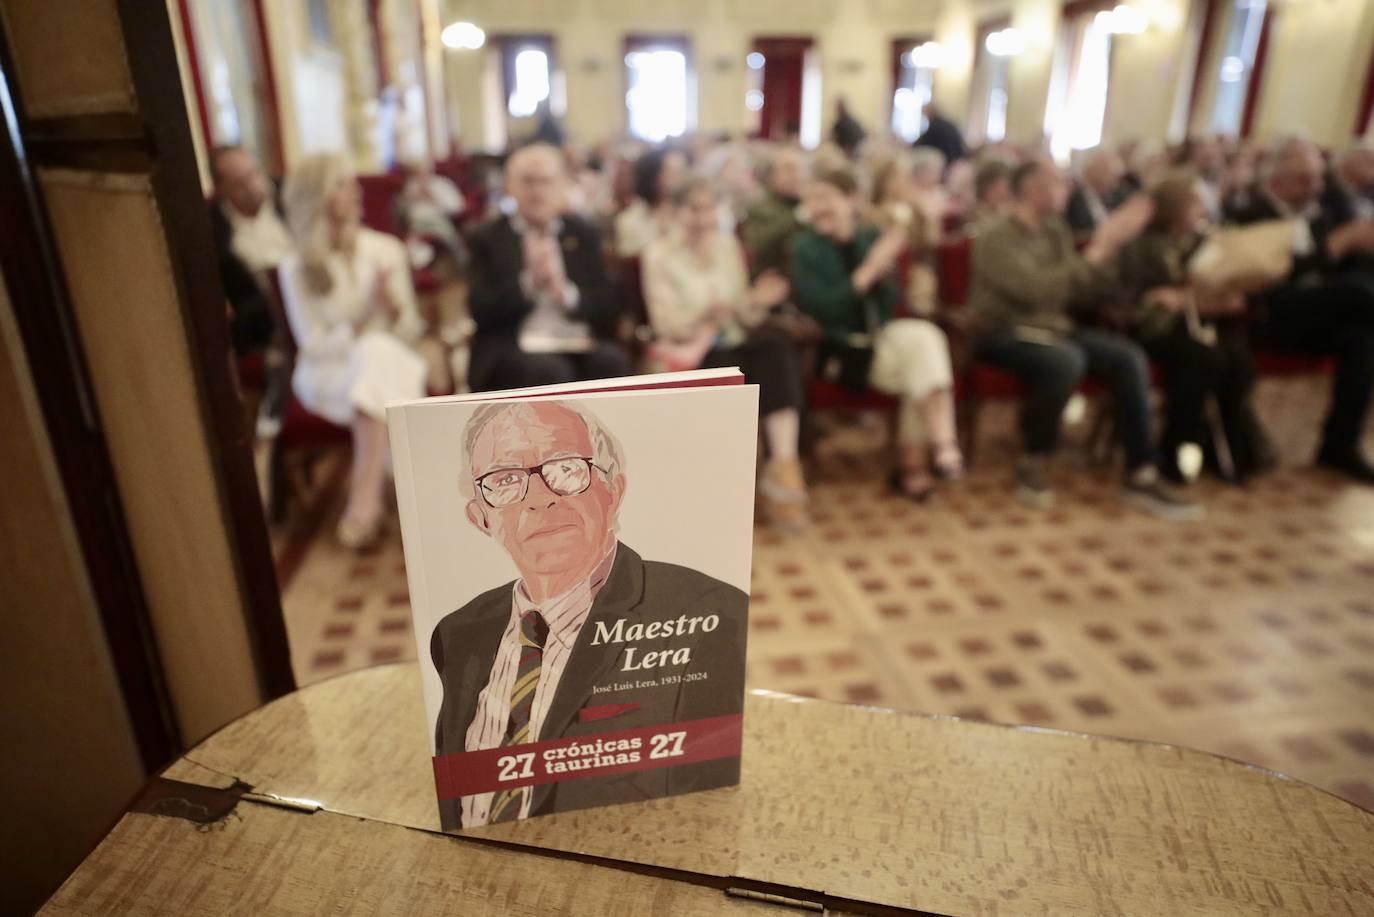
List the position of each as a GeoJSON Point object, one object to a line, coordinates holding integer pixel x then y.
{"type": "Point", "coordinates": [1032, 487]}
{"type": "Point", "coordinates": [1148, 493]}
{"type": "Point", "coordinates": [1349, 463]}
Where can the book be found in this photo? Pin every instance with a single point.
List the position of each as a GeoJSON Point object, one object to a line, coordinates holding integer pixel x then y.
{"type": "Point", "coordinates": [578, 559]}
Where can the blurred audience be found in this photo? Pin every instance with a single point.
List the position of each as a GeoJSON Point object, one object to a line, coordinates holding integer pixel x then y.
{"type": "Point", "coordinates": [1096, 193]}
{"type": "Point", "coordinates": [538, 288]}
{"type": "Point", "coordinates": [991, 193]}
{"type": "Point", "coordinates": [847, 132]}
{"type": "Point", "coordinates": [650, 215]}
{"type": "Point", "coordinates": [842, 277]}
{"type": "Point", "coordinates": [772, 221]}
{"type": "Point", "coordinates": [1326, 302]}
{"type": "Point", "coordinates": [942, 134]}
{"type": "Point", "coordinates": [1206, 159]}
{"type": "Point", "coordinates": [349, 299]}
{"type": "Point", "coordinates": [705, 312]}
{"type": "Point", "coordinates": [429, 205]}
{"type": "Point", "coordinates": [1349, 191]}
{"type": "Point", "coordinates": [250, 240]}
{"type": "Point", "coordinates": [1198, 338]}
{"type": "Point", "coordinates": [1028, 280]}
{"type": "Point", "coordinates": [905, 197]}
{"type": "Point", "coordinates": [1095, 280]}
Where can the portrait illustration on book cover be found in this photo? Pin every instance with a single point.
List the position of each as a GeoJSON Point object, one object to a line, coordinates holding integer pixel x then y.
{"type": "Point", "coordinates": [591, 642]}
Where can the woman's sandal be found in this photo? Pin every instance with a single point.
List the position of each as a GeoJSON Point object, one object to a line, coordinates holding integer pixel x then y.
{"type": "Point", "coordinates": [948, 463]}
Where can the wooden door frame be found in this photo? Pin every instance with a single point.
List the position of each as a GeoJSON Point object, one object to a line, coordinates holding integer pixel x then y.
{"type": "Point", "coordinates": [156, 142]}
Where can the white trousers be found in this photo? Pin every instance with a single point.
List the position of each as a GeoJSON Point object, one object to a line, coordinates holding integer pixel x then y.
{"type": "Point", "coordinates": [911, 360]}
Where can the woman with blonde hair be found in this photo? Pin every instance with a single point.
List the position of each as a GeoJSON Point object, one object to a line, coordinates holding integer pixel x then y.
{"type": "Point", "coordinates": [351, 307]}
{"type": "Point", "coordinates": [903, 197]}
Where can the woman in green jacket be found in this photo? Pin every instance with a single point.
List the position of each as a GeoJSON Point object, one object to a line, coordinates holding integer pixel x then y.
{"type": "Point", "coordinates": [842, 277]}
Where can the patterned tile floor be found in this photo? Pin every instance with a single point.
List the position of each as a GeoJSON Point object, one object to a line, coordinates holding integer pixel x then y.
{"type": "Point", "coordinates": [1249, 634]}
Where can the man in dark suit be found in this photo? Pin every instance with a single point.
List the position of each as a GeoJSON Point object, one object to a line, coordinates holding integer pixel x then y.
{"type": "Point", "coordinates": [1326, 303]}
{"type": "Point", "coordinates": [1097, 192]}
{"type": "Point", "coordinates": [250, 240]}
{"type": "Point", "coordinates": [1349, 190]}
{"type": "Point", "coordinates": [559, 652]}
{"type": "Point", "coordinates": [537, 287]}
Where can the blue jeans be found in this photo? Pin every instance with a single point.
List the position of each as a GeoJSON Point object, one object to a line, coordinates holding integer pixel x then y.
{"type": "Point", "coordinates": [1051, 371]}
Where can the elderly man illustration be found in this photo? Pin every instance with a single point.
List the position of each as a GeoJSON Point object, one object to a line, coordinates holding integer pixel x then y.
{"type": "Point", "coordinates": [558, 653]}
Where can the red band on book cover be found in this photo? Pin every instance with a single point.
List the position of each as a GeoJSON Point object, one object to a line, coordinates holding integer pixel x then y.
{"type": "Point", "coordinates": [605, 712]}
{"type": "Point", "coordinates": [599, 755]}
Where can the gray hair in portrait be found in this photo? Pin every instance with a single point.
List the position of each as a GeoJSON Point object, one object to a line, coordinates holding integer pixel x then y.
{"type": "Point", "coordinates": [607, 455]}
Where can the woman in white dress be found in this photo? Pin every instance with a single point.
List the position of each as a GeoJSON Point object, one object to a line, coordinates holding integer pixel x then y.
{"type": "Point", "coordinates": [351, 307]}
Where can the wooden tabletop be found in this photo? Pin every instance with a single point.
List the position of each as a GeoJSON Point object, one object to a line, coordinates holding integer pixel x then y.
{"type": "Point", "coordinates": [856, 807]}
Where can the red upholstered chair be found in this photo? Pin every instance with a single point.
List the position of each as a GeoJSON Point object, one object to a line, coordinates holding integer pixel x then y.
{"type": "Point", "coordinates": [1283, 363]}
{"type": "Point", "coordinates": [379, 200]}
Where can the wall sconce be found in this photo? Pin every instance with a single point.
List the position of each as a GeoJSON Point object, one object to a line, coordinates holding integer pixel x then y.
{"type": "Point", "coordinates": [462, 36]}
{"type": "Point", "coordinates": [1006, 42]}
{"type": "Point", "coordinates": [930, 55]}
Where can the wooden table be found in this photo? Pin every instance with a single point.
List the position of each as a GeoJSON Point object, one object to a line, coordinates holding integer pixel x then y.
{"type": "Point", "coordinates": [854, 808]}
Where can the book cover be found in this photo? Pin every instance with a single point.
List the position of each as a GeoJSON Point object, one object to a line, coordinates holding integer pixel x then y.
{"type": "Point", "coordinates": [578, 561]}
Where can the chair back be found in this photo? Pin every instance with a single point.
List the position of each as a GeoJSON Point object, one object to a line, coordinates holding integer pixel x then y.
{"type": "Point", "coordinates": [954, 266]}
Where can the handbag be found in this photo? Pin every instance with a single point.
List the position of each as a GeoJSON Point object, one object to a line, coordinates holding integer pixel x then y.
{"type": "Point", "coordinates": [1245, 259]}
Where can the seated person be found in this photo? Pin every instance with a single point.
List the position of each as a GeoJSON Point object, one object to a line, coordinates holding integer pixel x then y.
{"type": "Point", "coordinates": [250, 240]}
{"type": "Point", "coordinates": [650, 215]}
{"type": "Point", "coordinates": [1199, 340]}
{"type": "Point", "coordinates": [1096, 193]}
{"type": "Point", "coordinates": [1326, 304]}
{"type": "Point", "coordinates": [898, 201]}
{"type": "Point", "coordinates": [1349, 191]}
{"type": "Point", "coordinates": [704, 312]}
{"type": "Point", "coordinates": [1026, 275]}
{"type": "Point", "coordinates": [841, 276]}
{"type": "Point", "coordinates": [771, 221]}
{"type": "Point", "coordinates": [1206, 159]}
{"type": "Point", "coordinates": [991, 193]}
{"type": "Point", "coordinates": [351, 306]}
{"type": "Point", "coordinates": [427, 206]}
{"type": "Point", "coordinates": [537, 288]}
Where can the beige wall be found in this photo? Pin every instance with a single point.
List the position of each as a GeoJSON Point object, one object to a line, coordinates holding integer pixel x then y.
{"type": "Point", "coordinates": [1315, 74]}
{"type": "Point", "coordinates": [853, 43]}
{"type": "Point", "coordinates": [1151, 73]}
{"type": "Point", "coordinates": [70, 764]}
{"type": "Point", "coordinates": [1319, 54]}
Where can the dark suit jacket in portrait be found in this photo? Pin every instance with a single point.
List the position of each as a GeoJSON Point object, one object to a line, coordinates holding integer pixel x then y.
{"type": "Point", "coordinates": [464, 646]}
{"type": "Point", "coordinates": [498, 305]}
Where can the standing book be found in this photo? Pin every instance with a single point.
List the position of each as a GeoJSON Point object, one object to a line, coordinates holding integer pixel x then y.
{"type": "Point", "coordinates": [578, 559]}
